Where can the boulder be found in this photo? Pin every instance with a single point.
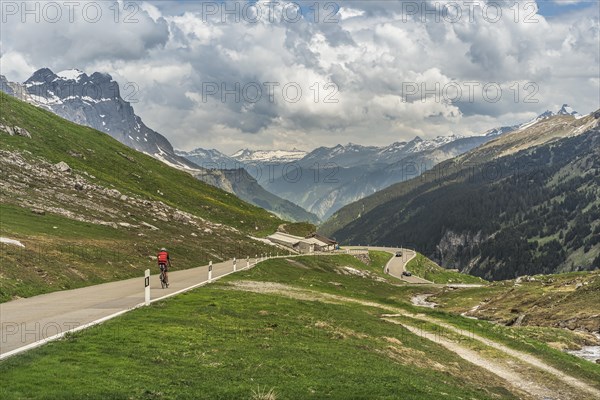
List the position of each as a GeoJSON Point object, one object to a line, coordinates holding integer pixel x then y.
{"type": "Point", "coordinates": [22, 132]}
{"type": "Point", "coordinates": [112, 193]}
{"type": "Point", "coordinates": [162, 216]}
{"type": "Point", "coordinates": [7, 129]}
{"type": "Point", "coordinates": [180, 217]}
{"type": "Point", "coordinates": [154, 228]}
{"type": "Point", "coordinates": [15, 131]}
{"type": "Point", "coordinates": [62, 167]}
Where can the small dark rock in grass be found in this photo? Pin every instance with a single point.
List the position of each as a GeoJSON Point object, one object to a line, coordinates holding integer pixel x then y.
{"type": "Point", "coordinates": [76, 154]}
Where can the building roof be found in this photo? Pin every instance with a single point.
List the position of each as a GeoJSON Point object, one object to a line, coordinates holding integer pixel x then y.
{"type": "Point", "coordinates": [286, 238]}
{"type": "Point", "coordinates": [315, 241]}
{"type": "Point", "coordinates": [322, 238]}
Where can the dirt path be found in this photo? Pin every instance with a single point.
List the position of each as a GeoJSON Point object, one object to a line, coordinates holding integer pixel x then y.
{"type": "Point", "coordinates": [520, 370]}
{"type": "Point", "coordinates": [514, 379]}
{"type": "Point", "coordinates": [525, 357]}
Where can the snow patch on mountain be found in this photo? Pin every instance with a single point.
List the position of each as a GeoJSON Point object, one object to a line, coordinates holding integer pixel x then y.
{"type": "Point", "coordinates": [492, 133]}
{"type": "Point", "coordinates": [70, 74]}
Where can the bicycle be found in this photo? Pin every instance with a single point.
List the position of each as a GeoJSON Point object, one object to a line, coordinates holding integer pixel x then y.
{"type": "Point", "coordinates": [164, 281]}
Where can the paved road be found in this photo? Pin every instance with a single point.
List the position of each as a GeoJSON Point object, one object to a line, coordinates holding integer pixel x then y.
{"type": "Point", "coordinates": [397, 265]}
{"type": "Point", "coordinates": [24, 322]}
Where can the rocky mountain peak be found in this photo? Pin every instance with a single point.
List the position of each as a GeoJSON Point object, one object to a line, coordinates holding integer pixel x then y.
{"type": "Point", "coordinates": [41, 75]}
{"type": "Point", "coordinates": [567, 110]}
{"type": "Point", "coordinates": [95, 101]}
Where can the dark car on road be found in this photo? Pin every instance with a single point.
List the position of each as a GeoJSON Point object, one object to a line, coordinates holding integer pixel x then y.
{"type": "Point", "coordinates": [406, 273]}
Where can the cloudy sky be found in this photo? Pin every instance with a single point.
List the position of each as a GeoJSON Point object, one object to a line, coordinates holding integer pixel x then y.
{"type": "Point", "coordinates": [267, 74]}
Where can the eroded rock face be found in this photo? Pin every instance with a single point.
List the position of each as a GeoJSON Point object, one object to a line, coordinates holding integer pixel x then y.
{"type": "Point", "coordinates": [46, 188]}
{"type": "Point", "coordinates": [451, 242]}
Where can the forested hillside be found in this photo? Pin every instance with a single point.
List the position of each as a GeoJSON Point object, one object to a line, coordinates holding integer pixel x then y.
{"type": "Point", "coordinates": [533, 211]}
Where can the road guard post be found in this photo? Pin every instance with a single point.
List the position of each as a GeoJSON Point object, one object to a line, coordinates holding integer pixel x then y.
{"type": "Point", "coordinates": [147, 287]}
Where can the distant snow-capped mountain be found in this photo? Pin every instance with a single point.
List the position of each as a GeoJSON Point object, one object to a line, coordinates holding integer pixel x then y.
{"type": "Point", "coordinates": [418, 145]}
{"type": "Point", "coordinates": [567, 110]}
{"type": "Point", "coordinates": [210, 159]}
{"type": "Point", "coordinates": [95, 101]}
{"type": "Point", "coordinates": [268, 156]}
{"type": "Point", "coordinates": [331, 177]}
{"type": "Point", "coordinates": [564, 110]}
{"type": "Point", "coordinates": [499, 131]}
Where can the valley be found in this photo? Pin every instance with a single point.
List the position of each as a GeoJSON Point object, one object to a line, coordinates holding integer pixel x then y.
{"type": "Point", "coordinates": [524, 203]}
{"type": "Point", "coordinates": [366, 200]}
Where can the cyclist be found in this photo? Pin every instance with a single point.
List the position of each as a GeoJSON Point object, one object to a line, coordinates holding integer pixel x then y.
{"type": "Point", "coordinates": [164, 263]}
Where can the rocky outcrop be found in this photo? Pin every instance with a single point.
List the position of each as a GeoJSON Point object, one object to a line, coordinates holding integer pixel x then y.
{"type": "Point", "coordinates": [452, 243]}
{"type": "Point", "coordinates": [15, 131]}
{"type": "Point", "coordinates": [62, 167]}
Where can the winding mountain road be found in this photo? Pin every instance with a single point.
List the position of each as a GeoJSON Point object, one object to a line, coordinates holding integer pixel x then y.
{"type": "Point", "coordinates": [30, 322]}
{"type": "Point", "coordinates": [397, 265]}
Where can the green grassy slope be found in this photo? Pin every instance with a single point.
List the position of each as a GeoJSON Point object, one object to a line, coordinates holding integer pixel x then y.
{"type": "Point", "coordinates": [129, 206]}
{"type": "Point", "coordinates": [298, 228]}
